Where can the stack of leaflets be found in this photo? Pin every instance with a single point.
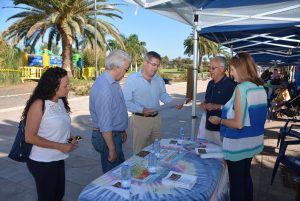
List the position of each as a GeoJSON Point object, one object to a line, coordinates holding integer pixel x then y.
{"type": "Point", "coordinates": [191, 145]}
{"type": "Point", "coordinates": [174, 144]}
{"type": "Point", "coordinates": [143, 153]}
{"type": "Point", "coordinates": [125, 193]}
{"type": "Point", "coordinates": [209, 151]}
{"type": "Point", "coordinates": [176, 179]}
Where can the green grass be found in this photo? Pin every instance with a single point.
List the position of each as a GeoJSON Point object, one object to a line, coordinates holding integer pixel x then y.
{"type": "Point", "coordinates": [170, 70]}
{"type": "Point", "coordinates": [81, 87]}
{"type": "Point", "coordinates": [171, 73]}
{"type": "Point", "coordinates": [162, 70]}
{"type": "Point", "coordinates": [174, 74]}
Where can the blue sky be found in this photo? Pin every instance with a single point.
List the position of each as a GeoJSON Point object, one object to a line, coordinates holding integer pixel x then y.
{"type": "Point", "coordinates": [160, 33]}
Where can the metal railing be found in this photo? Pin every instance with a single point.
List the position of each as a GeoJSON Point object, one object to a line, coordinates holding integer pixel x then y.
{"type": "Point", "coordinates": [90, 72]}
{"type": "Point", "coordinates": [35, 73]}
{"type": "Point", "coordinates": [31, 73]}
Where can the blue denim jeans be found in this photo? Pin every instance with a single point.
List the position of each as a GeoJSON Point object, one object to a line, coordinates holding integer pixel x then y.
{"type": "Point", "coordinates": [101, 147]}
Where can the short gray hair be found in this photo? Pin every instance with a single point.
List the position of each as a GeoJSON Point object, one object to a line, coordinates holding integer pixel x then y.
{"type": "Point", "coordinates": [116, 58]}
{"type": "Point", "coordinates": [222, 61]}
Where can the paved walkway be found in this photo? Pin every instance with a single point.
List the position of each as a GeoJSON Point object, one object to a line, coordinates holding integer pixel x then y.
{"type": "Point", "coordinates": [83, 165]}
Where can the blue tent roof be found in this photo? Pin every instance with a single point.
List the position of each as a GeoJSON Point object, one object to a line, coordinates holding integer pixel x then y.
{"type": "Point", "coordinates": [264, 44]}
{"type": "Point", "coordinates": [269, 27]}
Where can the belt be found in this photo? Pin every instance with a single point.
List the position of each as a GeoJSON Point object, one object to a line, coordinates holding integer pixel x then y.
{"type": "Point", "coordinates": [142, 115]}
{"type": "Point", "coordinates": [98, 130]}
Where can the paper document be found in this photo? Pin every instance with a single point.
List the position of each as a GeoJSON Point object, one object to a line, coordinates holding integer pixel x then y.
{"type": "Point", "coordinates": [210, 151]}
{"type": "Point", "coordinates": [125, 193]}
{"type": "Point", "coordinates": [169, 105]}
{"type": "Point", "coordinates": [176, 179]}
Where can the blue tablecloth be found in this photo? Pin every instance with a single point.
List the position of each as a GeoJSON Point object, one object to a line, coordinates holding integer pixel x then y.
{"type": "Point", "coordinates": [212, 181]}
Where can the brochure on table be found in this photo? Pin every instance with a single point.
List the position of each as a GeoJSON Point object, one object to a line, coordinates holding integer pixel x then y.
{"type": "Point", "coordinates": [177, 179]}
{"type": "Point", "coordinates": [210, 151]}
{"type": "Point", "coordinates": [176, 144]}
{"type": "Point", "coordinates": [115, 187]}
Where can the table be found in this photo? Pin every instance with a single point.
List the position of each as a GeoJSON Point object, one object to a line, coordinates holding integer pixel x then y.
{"type": "Point", "coordinates": [212, 179]}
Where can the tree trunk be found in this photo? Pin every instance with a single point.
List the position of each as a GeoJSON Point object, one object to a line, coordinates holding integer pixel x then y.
{"type": "Point", "coordinates": [200, 66]}
{"type": "Point", "coordinates": [67, 53]}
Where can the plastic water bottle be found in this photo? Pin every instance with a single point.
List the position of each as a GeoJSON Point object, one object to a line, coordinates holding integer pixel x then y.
{"type": "Point", "coordinates": [125, 176]}
{"type": "Point", "coordinates": [152, 162]}
{"type": "Point", "coordinates": [156, 147]}
{"type": "Point", "coordinates": [181, 136]}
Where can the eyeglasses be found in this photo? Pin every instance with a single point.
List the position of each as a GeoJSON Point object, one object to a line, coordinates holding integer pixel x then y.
{"type": "Point", "coordinates": [213, 68]}
{"type": "Point", "coordinates": [153, 64]}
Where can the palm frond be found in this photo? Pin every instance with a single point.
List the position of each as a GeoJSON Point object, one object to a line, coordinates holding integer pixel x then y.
{"type": "Point", "coordinates": [70, 20]}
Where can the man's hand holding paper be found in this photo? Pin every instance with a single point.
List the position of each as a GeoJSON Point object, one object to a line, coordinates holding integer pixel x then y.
{"type": "Point", "coordinates": [175, 103]}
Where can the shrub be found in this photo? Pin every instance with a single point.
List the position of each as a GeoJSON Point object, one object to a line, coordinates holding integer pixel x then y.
{"type": "Point", "coordinates": [81, 87]}
{"type": "Point", "coordinates": [10, 58]}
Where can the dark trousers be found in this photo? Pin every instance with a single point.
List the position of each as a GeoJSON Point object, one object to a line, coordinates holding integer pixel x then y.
{"type": "Point", "coordinates": [100, 146]}
{"type": "Point", "coordinates": [49, 179]}
{"type": "Point", "coordinates": [241, 186]}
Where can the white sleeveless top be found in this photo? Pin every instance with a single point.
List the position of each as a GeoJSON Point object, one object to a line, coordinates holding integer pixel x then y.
{"type": "Point", "coordinates": [55, 126]}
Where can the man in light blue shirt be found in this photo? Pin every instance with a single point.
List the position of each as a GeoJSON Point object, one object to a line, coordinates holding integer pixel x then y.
{"type": "Point", "coordinates": [142, 91]}
{"type": "Point", "coordinates": [108, 111]}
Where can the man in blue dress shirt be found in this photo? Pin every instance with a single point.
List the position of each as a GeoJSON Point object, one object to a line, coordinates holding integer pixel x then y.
{"type": "Point", "coordinates": [142, 91]}
{"type": "Point", "coordinates": [108, 110]}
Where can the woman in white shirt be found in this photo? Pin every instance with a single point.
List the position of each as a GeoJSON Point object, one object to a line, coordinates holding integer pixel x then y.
{"type": "Point", "coordinates": [47, 127]}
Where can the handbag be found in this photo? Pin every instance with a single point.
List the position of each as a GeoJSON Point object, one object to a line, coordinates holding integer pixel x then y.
{"type": "Point", "coordinates": [20, 150]}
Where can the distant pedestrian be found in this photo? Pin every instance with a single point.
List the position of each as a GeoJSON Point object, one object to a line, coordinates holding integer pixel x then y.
{"type": "Point", "coordinates": [275, 78]}
{"type": "Point", "coordinates": [266, 75]}
{"type": "Point", "coordinates": [80, 66]}
{"type": "Point", "coordinates": [108, 111]}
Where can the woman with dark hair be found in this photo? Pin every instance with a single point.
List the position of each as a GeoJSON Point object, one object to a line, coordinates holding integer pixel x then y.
{"type": "Point", "coordinates": [47, 127]}
{"type": "Point", "coordinates": [242, 125]}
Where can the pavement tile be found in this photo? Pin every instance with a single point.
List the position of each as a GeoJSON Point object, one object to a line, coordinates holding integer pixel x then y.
{"type": "Point", "coordinates": [12, 191]}
{"type": "Point", "coordinates": [83, 165]}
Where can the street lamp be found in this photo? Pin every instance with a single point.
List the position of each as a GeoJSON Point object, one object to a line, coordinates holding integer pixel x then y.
{"type": "Point", "coordinates": [96, 55]}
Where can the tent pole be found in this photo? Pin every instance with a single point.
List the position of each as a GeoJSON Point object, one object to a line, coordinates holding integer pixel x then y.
{"type": "Point", "coordinates": [195, 70]}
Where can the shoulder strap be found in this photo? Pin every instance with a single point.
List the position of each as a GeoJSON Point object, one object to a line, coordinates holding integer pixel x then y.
{"type": "Point", "coordinates": [43, 109]}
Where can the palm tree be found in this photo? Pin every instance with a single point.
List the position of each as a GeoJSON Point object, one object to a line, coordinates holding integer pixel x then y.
{"type": "Point", "coordinates": [165, 62]}
{"type": "Point", "coordinates": [54, 48]}
{"type": "Point", "coordinates": [113, 44]}
{"type": "Point", "coordinates": [67, 21]}
{"type": "Point", "coordinates": [207, 47]}
{"type": "Point", "coordinates": [134, 47]}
